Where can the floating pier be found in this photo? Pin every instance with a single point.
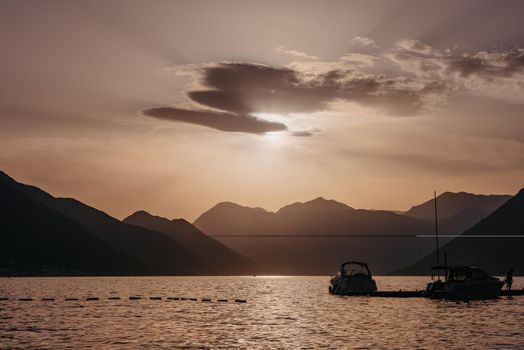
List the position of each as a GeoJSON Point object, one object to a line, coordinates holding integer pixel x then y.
{"type": "Point", "coordinates": [388, 294]}
{"type": "Point", "coordinates": [415, 293]}
{"type": "Point", "coordinates": [507, 293]}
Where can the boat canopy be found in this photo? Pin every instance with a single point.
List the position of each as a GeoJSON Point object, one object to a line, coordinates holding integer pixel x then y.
{"type": "Point", "coordinates": [354, 268]}
{"type": "Point", "coordinates": [460, 272]}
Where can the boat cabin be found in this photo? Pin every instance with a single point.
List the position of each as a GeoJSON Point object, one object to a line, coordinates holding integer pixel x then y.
{"type": "Point", "coordinates": [458, 273]}
{"type": "Point", "coordinates": [355, 268]}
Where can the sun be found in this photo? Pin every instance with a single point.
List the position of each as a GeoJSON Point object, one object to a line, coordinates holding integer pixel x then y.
{"type": "Point", "coordinates": [275, 137]}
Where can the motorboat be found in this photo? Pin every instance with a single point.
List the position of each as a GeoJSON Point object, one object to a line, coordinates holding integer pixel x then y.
{"type": "Point", "coordinates": [353, 276]}
{"type": "Point", "coordinates": [462, 283]}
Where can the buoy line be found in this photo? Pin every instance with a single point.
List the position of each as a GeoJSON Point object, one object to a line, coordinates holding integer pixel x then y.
{"type": "Point", "coordinates": [133, 297]}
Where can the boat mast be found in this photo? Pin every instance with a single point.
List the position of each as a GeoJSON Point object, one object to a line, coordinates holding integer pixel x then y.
{"type": "Point", "coordinates": [436, 236]}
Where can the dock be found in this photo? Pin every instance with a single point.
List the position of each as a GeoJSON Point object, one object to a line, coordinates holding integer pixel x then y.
{"type": "Point", "coordinates": [416, 293]}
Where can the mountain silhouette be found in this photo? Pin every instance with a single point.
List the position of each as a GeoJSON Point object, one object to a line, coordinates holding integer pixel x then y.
{"type": "Point", "coordinates": [318, 217]}
{"type": "Point", "coordinates": [39, 240]}
{"type": "Point", "coordinates": [495, 254]}
{"type": "Point", "coordinates": [43, 234]}
{"type": "Point", "coordinates": [154, 252]}
{"type": "Point", "coordinates": [305, 255]}
{"type": "Point", "coordinates": [451, 204]}
{"type": "Point", "coordinates": [217, 258]}
{"type": "Point", "coordinates": [318, 204]}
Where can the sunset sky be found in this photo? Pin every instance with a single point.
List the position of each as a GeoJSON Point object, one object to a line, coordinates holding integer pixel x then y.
{"type": "Point", "coordinates": [173, 106]}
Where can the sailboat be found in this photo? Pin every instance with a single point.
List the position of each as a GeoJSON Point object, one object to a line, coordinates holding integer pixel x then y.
{"type": "Point", "coordinates": [460, 282]}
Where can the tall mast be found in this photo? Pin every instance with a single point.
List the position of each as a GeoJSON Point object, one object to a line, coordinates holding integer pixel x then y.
{"type": "Point", "coordinates": [436, 235]}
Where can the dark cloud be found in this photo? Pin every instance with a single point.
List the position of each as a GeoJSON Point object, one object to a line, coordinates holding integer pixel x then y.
{"type": "Point", "coordinates": [302, 133]}
{"type": "Point", "coordinates": [240, 90]}
{"type": "Point", "coordinates": [252, 88]}
{"type": "Point", "coordinates": [305, 133]}
{"type": "Point", "coordinates": [489, 64]}
{"type": "Point", "coordinates": [217, 120]}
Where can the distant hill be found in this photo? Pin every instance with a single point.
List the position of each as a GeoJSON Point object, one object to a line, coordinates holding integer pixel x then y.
{"type": "Point", "coordinates": [317, 217]}
{"type": "Point", "coordinates": [217, 258]}
{"type": "Point", "coordinates": [39, 240]}
{"type": "Point", "coordinates": [494, 254]}
{"type": "Point", "coordinates": [328, 217]}
{"type": "Point", "coordinates": [451, 204]}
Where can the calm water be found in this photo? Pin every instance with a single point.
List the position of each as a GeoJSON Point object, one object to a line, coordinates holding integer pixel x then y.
{"type": "Point", "coordinates": [281, 312]}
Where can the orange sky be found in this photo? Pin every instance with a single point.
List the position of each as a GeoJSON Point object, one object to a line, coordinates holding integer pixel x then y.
{"type": "Point", "coordinates": [172, 107]}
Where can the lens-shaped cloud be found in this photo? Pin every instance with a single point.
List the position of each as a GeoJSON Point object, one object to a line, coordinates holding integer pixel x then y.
{"type": "Point", "coordinates": [217, 120]}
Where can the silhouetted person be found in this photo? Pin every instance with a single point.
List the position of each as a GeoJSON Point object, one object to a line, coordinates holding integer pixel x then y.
{"type": "Point", "coordinates": [509, 279]}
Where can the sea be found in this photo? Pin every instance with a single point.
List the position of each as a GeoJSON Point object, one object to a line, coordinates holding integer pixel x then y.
{"type": "Point", "coordinates": [270, 312]}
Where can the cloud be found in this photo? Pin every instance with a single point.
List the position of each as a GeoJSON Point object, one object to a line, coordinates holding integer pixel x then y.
{"type": "Point", "coordinates": [359, 59]}
{"type": "Point", "coordinates": [284, 50]}
{"type": "Point", "coordinates": [305, 133]}
{"type": "Point", "coordinates": [485, 64]}
{"type": "Point", "coordinates": [413, 45]}
{"type": "Point", "coordinates": [217, 120]}
{"type": "Point", "coordinates": [228, 95]}
{"type": "Point", "coordinates": [417, 57]}
{"type": "Point", "coordinates": [361, 42]}
{"type": "Point", "coordinates": [254, 88]}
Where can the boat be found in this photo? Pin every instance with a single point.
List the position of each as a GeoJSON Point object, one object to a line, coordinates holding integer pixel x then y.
{"type": "Point", "coordinates": [463, 283]}
{"type": "Point", "coordinates": [353, 276]}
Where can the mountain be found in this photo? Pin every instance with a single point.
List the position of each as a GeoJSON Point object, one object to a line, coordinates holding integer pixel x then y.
{"type": "Point", "coordinates": [154, 252]}
{"type": "Point", "coordinates": [39, 240]}
{"type": "Point", "coordinates": [451, 204]}
{"type": "Point", "coordinates": [318, 204]}
{"type": "Point", "coordinates": [496, 254]}
{"type": "Point", "coordinates": [217, 258]}
{"type": "Point", "coordinates": [316, 255]}
{"type": "Point", "coordinates": [461, 221]}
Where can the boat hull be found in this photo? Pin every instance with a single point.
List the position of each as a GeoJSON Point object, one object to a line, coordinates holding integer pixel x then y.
{"type": "Point", "coordinates": [465, 291]}
{"type": "Point", "coordinates": [349, 285]}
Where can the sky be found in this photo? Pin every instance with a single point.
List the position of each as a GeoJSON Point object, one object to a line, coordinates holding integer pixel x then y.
{"type": "Point", "coordinates": [174, 106]}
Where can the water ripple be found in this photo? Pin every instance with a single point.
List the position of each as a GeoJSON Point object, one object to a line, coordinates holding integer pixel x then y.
{"type": "Point", "coordinates": [282, 312]}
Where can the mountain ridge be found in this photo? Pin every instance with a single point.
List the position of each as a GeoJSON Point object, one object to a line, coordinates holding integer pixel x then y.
{"type": "Point", "coordinates": [208, 250]}
{"type": "Point", "coordinates": [495, 254]}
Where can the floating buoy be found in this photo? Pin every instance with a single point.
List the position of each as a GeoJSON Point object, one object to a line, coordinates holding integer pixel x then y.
{"type": "Point", "coordinates": [206, 299]}
{"type": "Point", "coordinates": [92, 298]}
{"type": "Point", "coordinates": [222, 300]}
{"type": "Point", "coordinates": [71, 299]}
{"type": "Point", "coordinates": [183, 298]}
{"type": "Point", "coordinates": [135, 298]}
{"type": "Point", "coordinates": [240, 301]}
{"type": "Point", "coordinates": [175, 298]}
{"type": "Point", "coordinates": [25, 299]}
{"type": "Point", "coordinates": [113, 298]}
{"type": "Point", "coordinates": [155, 298]}
{"type": "Point", "coordinates": [193, 299]}
{"type": "Point", "coordinates": [48, 299]}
